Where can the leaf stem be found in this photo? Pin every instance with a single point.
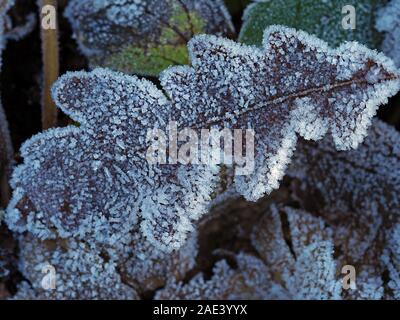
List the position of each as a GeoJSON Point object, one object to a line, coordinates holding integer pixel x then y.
{"type": "Point", "coordinates": [5, 193]}
{"type": "Point", "coordinates": [50, 56]}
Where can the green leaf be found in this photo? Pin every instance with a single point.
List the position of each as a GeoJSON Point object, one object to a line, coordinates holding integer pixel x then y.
{"type": "Point", "coordinates": [143, 37]}
{"type": "Point", "coordinates": [168, 50]}
{"type": "Point", "coordinates": [322, 18]}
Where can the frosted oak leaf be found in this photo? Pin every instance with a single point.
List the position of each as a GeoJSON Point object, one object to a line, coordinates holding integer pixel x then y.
{"type": "Point", "coordinates": [358, 196]}
{"type": "Point", "coordinates": [249, 280]}
{"type": "Point", "coordinates": [300, 255]}
{"type": "Point", "coordinates": [303, 269]}
{"type": "Point", "coordinates": [146, 268]}
{"type": "Point", "coordinates": [295, 84]}
{"type": "Point", "coordinates": [363, 180]}
{"type": "Point", "coordinates": [94, 181]}
{"type": "Point", "coordinates": [80, 272]}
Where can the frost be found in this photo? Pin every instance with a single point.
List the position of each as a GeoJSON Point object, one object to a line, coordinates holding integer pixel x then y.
{"type": "Point", "coordinates": [5, 5]}
{"type": "Point", "coordinates": [87, 271]}
{"type": "Point", "coordinates": [366, 179]}
{"type": "Point", "coordinates": [20, 31]}
{"type": "Point", "coordinates": [293, 254]}
{"type": "Point", "coordinates": [71, 184]}
{"type": "Point", "coordinates": [301, 257]}
{"type": "Point", "coordinates": [306, 271]}
{"type": "Point", "coordinates": [147, 269]}
{"type": "Point", "coordinates": [358, 194]}
{"type": "Point", "coordinates": [88, 204]}
{"type": "Point", "coordinates": [143, 36]}
{"type": "Point", "coordinates": [340, 96]}
{"type": "Point", "coordinates": [94, 181]}
{"type": "Point", "coordinates": [80, 272]}
{"type": "Point", "coordinates": [10, 32]}
{"type": "Point", "coordinates": [388, 21]}
{"type": "Point", "coordinates": [391, 259]}
{"type": "Point", "coordinates": [7, 253]}
{"type": "Point", "coordinates": [249, 281]}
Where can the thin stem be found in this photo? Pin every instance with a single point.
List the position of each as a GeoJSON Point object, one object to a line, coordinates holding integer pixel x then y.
{"type": "Point", "coordinates": [50, 56]}
{"type": "Point", "coordinates": [6, 154]}
{"type": "Point", "coordinates": [5, 192]}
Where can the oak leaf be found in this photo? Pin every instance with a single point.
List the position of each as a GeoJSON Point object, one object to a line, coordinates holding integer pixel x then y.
{"type": "Point", "coordinates": [95, 181]}
{"type": "Point", "coordinates": [143, 37]}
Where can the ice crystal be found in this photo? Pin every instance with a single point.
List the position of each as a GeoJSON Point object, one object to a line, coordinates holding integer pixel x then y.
{"type": "Point", "coordinates": [250, 280]}
{"type": "Point", "coordinates": [86, 271]}
{"type": "Point", "coordinates": [5, 5]}
{"type": "Point", "coordinates": [294, 254]}
{"type": "Point", "coordinates": [358, 194]}
{"type": "Point", "coordinates": [388, 21]}
{"type": "Point", "coordinates": [306, 270]}
{"type": "Point", "coordinates": [391, 259]}
{"type": "Point", "coordinates": [366, 179]}
{"type": "Point", "coordinates": [147, 268]}
{"type": "Point", "coordinates": [143, 36]}
{"type": "Point", "coordinates": [321, 18]}
{"type": "Point", "coordinates": [79, 270]}
{"type": "Point", "coordinates": [302, 258]}
{"type": "Point", "coordinates": [341, 97]}
{"type": "Point", "coordinates": [94, 180]}
{"type": "Point", "coordinates": [7, 252]}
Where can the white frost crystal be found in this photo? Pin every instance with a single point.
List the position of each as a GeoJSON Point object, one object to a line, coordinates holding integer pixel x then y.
{"type": "Point", "coordinates": [146, 268]}
{"type": "Point", "coordinates": [358, 194]}
{"type": "Point", "coordinates": [391, 259]}
{"type": "Point", "coordinates": [80, 272]}
{"type": "Point", "coordinates": [79, 182]}
{"type": "Point", "coordinates": [102, 25]}
{"type": "Point", "coordinates": [250, 280]}
{"type": "Point", "coordinates": [296, 83]}
{"type": "Point", "coordinates": [304, 272]}
{"type": "Point", "coordinates": [94, 182]}
{"type": "Point", "coordinates": [306, 268]}
{"type": "Point", "coordinates": [143, 36]}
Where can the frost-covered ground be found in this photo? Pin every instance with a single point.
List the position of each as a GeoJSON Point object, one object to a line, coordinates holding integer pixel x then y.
{"type": "Point", "coordinates": [84, 213]}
